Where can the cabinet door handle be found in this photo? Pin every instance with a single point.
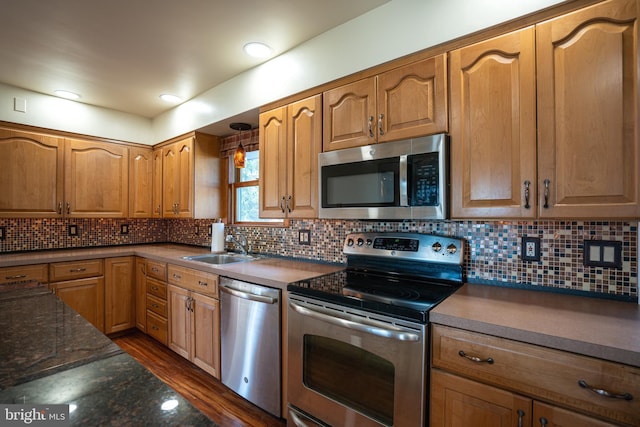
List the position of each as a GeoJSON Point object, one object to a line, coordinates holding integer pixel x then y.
{"type": "Point", "coordinates": [158, 210]}
{"type": "Point", "coordinates": [68, 208]}
{"type": "Point", "coordinates": [520, 417]}
{"type": "Point", "coordinates": [380, 129]}
{"type": "Point", "coordinates": [19, 276]}
{"type": "Point", "coordinates": [475, 358]}
{"type": "Point", "coordinates": [288, 204]}
{"type": "Point", "coordinates": [527, 183]}
{"type": "Point", "coordinates": [282, 204]}
{"type": "Point", "coordinates": [59, 208]}
{"type": "Point", "coordinates": [543, 422]}
{"type": "Point", "coordinates": [370, 125]}
{"type": "Point", "coordinates": [605, 393]}
{"type": "Point", "coordinates": [77, 270]}
{"type": "Point", "coordinates": [546, 193]}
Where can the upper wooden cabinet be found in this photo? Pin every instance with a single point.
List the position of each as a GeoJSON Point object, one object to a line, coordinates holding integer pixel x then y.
{"type": "Point", "coordinates": [31, 172]}
{"type": "Point", "coordinates": [47, 176]}
{"type": "Point", "coordinates": [588, 146]}
{"type": "Point", "coordinates": [405, 102]}
{"type": "Point", "coordinates": [584, 160]}
{"type": "Point", "coordinates": [96, 179]}
{"type": "Point", "coordinates": [156, 197]}
{"type": "Point", "coordinates": [140, 182]}
{"type": "Point", "coordinates": [191, 177]}
{"type": "Point", "coordinates": [290, 140]}
{"type": "Point", "coordinates": [493, 127]}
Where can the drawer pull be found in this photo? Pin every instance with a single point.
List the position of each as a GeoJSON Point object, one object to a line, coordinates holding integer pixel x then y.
{"type": "Point", "coordinates": [155, 328]}
{"type": "Point", "coordinates": [177, 276]}
{"type": "Point", "coordinates": [543, 422]}
{"type": "Point", "coordinates": [604, 393]}
{"type": "Point", "coordinates": [19, 276]}
{"type": "Point", "coordinates": [475, 358]}
{"type": "Point", "coordinates": [77, 270]}
{"type": "Point", "coordinates": [520, 417]}
{"type": "Point", "coordinates": [155, 288]}
{"type": "Point", "coordinates": [154, 305]}
{"type": "Point", "coordinates": [201, 283]}
{"type": "Point", "coordinates": [154, 269]}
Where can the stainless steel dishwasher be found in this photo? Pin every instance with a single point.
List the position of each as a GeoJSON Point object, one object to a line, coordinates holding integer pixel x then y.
{"type": "Point", "coordinates": [250, 341]}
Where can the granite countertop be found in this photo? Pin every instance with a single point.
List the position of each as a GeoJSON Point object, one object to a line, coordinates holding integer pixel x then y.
{"type": "Point", "coordinates": [595, 327]}
{"type": "Point", "coordinates": [268, 270]}
{"type": "Point", "coordinates": [50, 355]}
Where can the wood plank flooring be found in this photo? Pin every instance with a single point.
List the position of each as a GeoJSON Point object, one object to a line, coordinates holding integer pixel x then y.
{"type": "Point", "coordinates": [209, 395]}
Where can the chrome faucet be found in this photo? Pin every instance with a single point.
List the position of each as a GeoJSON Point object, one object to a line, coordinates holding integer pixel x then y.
{"type": "Point", "coordinates": [240, 241]}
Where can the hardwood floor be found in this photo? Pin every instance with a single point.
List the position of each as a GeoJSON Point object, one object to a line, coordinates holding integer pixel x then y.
{"type": "Point", "coordinates": [209, 395]}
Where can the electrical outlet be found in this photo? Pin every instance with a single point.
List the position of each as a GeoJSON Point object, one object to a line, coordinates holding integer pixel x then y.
{"type": "Point", "coordinates": [603, 253]}
{"type": "Point", "coordinates": [197, 230]}
{"type": "Point", "coordinates": [304, 237]}
{"type": "Point", "coordinates": [210, 232]}
{"type": "Point", "coordinates": [124, 228]}
{"type": "Point", "coordinates": [530, 249]}
{"type": "Point", "coordinates": [3, 233]}
{"type": "Point", "coordinates": [73, 230]}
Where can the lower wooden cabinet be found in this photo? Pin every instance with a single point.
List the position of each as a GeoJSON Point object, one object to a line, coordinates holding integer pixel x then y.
{"type": "Point", "coordinates": [459, 402]}
{"type": "Point", "coordinates": [495, 381]}
{"type": "Point", "coordinates": [194, 318]}
{"type": "Point", "coordinates": [120, 308]}
{"type": "Point", "coordinates": [85, 296]}
{"type": "Point", "coordinates": [25, 273]}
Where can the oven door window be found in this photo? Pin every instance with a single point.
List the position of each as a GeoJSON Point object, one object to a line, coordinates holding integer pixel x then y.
{"type": "Point", "coordinates": [423, 172]}
{"type": "Point", "coordinates": [350, 375]}
{"type": "Point", "coordinates": [373, 183]}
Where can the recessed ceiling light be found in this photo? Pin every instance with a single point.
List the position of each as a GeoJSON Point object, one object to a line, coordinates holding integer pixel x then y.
{"type": "Point", "coordinates": [257, 50]}
{"type": "Point", "coordinates": [170, 98]}
{"type": "Point", "coordinates": [67, 94]}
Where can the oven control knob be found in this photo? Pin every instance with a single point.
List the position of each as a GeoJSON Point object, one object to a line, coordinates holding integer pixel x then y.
{"type": "Point", "coordinates": [349, 242]}
{"type": "Point", "coordinates": [452, 249]}
{"type": "Point", "coordinates": [369, 242]}
{"type": "Point", "coordinates": [437, 247]}
{"type": "Point", "coordinates": [360, 242]}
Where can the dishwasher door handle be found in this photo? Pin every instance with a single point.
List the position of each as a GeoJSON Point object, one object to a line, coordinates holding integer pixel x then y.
{"type": "Point", "coordinates": [390, 332]}
{"type": "Point", "coordinates": [248, 295]}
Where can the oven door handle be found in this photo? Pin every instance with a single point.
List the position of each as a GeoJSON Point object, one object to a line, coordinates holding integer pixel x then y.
{"type": "Point", "coordinates": [391, 332]}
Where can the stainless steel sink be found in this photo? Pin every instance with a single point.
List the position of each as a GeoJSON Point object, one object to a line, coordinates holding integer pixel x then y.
{"type": "Point", "coordinates": [225, 258]}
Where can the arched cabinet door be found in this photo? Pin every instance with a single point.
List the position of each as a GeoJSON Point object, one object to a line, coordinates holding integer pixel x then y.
{"type": "Point", "coordinates": [31, 173]}
{"type": "Point", "coordinates": [588, 142]}
{"type": "Point", "coordinates": [493, 128]}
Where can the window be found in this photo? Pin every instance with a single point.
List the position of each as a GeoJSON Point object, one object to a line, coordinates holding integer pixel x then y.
{"type": "Point", "coordinates": [243, 186]}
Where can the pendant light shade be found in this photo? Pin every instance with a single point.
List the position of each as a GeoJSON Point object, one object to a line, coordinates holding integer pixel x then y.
{"type": "Point", "coordinates": [240, 155]}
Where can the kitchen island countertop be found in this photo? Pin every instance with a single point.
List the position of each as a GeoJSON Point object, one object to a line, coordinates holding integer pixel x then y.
{"type": "Point", "coordinates": [50, 355]}
{"type": "Point", "coordinates": [595, 327]}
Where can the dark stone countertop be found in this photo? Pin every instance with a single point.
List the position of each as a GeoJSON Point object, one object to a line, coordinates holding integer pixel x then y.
{"type": "Point", "coordinates": [50, 355]}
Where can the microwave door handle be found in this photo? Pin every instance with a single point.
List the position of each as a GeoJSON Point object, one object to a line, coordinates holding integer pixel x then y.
{"type": "Point", "coordinates": [335, 319]}
{"type": "Point", "coordinates": [404, 198]}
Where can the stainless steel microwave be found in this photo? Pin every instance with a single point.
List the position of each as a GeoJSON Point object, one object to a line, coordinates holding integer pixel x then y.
{"type": "Point", "coordinates": [405, 179]}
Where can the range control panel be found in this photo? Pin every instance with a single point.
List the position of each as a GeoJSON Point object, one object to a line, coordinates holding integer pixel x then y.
{"type": "Point", "coordinates": [421, 247]}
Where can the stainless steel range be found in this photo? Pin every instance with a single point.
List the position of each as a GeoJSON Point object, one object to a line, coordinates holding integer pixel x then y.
{"type": "Point", "coordinates": [358, 338]}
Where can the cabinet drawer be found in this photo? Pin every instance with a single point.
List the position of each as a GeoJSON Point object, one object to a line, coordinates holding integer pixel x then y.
{"type": "Point", "coordinates": [195, 280]}
{"type": "Point", "coordinates": [157, 270]}
{"type": "Point", "coordinates": [548, 374]}
{"type": "Point", "coordinates": [157, 305]}
{"type": "Point", "coordinates": [60, 271]}
{"type": "Point", "coordinates": [157, 289]}
{"type": "Point", "coordinates": [25, 273]}
{"type": "Point", "coordinates": [157, 327]}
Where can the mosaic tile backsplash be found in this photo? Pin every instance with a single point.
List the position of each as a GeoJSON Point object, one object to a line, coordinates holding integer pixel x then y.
{"type": "Point", "coordinates": [492, 253]}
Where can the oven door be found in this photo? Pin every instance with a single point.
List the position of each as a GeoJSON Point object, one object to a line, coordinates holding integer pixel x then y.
{"type": "Point", "coordinates": [355, 368]}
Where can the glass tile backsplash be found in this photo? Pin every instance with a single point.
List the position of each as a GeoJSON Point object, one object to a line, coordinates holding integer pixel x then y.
{"type": "Point", "coordinates": [492, 254]}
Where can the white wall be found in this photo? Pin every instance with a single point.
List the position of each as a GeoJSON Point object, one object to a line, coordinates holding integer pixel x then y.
{"type": "Point", "coordinates": [395, 29]}
{"type": "Point", "coordinates": [61, 114]}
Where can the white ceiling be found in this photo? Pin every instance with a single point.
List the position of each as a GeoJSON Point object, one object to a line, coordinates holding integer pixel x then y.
{"type": "Point", "coordinates": [122, 54]}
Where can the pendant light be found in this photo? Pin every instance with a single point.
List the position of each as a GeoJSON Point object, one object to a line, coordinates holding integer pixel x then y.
{"type": "Point", "coordinates": [240, 155]}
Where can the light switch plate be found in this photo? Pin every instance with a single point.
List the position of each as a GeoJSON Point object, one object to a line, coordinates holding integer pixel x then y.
{"type": "Point", "coordinates": [304, 237]}
{"type": "Point", "coordinates": [603, 253]}
{"type": "Point", "coordinates": [73, 230]}
{"type": "Point", "coordinates": [530, 249]}
{"type": "Point", "coordinates": [124, 228]}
